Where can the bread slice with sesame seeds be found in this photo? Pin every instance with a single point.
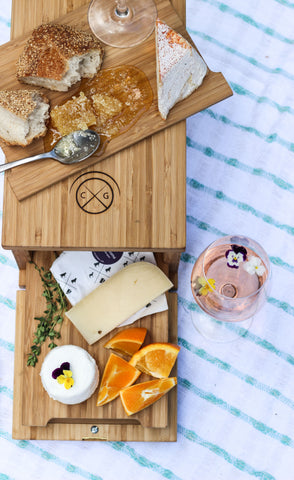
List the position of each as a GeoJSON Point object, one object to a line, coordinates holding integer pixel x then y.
{"type": "Point", "coordinates": [23, 116]}
{"type": "Point", "coordinates": [57, 56]}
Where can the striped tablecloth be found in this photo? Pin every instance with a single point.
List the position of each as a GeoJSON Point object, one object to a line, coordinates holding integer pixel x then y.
{"type": "Point", "coordinates": [235, 401]}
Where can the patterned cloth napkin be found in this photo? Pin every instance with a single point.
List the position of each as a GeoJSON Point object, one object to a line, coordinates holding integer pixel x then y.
{"type": "Point", "coordinates": [235, 401]}
{"type": "Point", "coordinates": [79, 273]}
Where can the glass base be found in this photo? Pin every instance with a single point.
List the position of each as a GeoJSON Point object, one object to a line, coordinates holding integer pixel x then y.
{"type": "Point", "coordinates": [125, 29]}
{"type": "Point", "coordinates": [218, 331]}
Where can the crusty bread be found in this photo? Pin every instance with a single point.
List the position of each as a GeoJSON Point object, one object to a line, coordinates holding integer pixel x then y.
{"type": "Point", "coordinates": [180, 69]}
{"type": "Point", "coordinates": [57, 56]}
{"type": "Point", "coordinates": [23, 116]}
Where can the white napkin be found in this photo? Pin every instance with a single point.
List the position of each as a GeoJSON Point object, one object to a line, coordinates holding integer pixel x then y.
{"type": "Point", "coordinates": [79, 273]}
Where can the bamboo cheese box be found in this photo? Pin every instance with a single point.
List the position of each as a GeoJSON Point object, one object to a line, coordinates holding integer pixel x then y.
{"type": "Point", "coordinates": [141, 208]}
{"type": "Point", "coordinates": [31, 178]}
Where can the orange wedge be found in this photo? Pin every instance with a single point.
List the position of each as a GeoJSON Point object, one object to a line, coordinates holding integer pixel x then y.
{"type": "Point", "coordinates": [156, 359]}
{"type": "Point", "coordinates": [117, 374]}
{"type": "Point", "coordinates": [127, 341]}
{"type": "Point", "coordinates": [141, 395]}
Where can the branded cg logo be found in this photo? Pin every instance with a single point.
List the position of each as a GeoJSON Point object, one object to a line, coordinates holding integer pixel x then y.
{"type": "Point", "coordinates": [95, 191]}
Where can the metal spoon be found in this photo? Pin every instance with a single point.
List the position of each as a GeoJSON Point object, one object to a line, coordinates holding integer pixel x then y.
{"type": "Point", "coordinates": [73, 148]}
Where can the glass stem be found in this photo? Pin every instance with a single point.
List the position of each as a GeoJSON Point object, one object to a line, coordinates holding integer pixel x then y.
{"type": "Point", "coordinates": [121, 9]}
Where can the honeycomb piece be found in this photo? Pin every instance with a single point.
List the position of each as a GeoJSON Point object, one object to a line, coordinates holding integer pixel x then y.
{"type": "Point", "coordinates": [106, 107]}
{"type": "Point", "coordinates": [75, 114]}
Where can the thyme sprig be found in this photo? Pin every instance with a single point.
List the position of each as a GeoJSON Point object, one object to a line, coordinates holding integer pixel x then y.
{"type": "Point", "coordinates": [50, 322]}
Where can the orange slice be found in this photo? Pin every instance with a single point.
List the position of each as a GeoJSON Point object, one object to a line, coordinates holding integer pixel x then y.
{"type": "Point", "coordinates": [141, 395]}
{"type": "Point", "coordinates": [127, 341]}
{"type": "Point", "coordinates": [117, 374]}
{"type": "Point", "coordinates": [156, 359]}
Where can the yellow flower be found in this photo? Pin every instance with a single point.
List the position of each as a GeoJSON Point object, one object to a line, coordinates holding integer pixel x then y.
{"type": "Point", "coordinates": [206, 285]}
{"type": "Point", "coordinates": [66, 379]}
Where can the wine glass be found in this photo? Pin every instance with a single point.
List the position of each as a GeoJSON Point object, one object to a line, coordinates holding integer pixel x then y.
{"type": "Point", "coordinates": [230, 283]}
{"type": "Point", "coordinates": [122, 23]}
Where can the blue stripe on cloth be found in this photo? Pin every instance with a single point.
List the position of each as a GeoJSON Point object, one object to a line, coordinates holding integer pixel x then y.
{"type": "Point", "coordinates": [7, 345]}
{"type": "Point", "coordinates": [5, 477]}
{"type": "Point", "coordinates": [261, 342]}
{"type": "Point", "coordinates": [144, 462]}
{"type": "Point", "coordinates": [50, 457]}
{"type": "Point", "coordinates": [221, 452]}
{"type": "Point", "coordinates": [6, 391]}
{"type": "Point", "coordinates": [280, 263]}
{"type": "Point", "coordinates": [226, 9]}
{"type": "Point", "coordinates": [69, 467]}
{"type": "Point", "coordinates": [233, 162]}
{"type": "Point", "coordinates": [7, 261]}
{"type": "Point", "coordinates": [204, 226]}
{"type": "Point", "coordinates": [236, 412]}
{"type": "Point", "coordinates": [239, 90]}
{"type": "Point", "coordinates": [285, 3]}
{"type": "Point", "coordinates": [268, 138]}
{"type": "Point", "coordinates": [188, 434]}
{"type": "Point", "coordinates": [227, 367]}
{"type": "Point", "coordinates": [218, 194]}
{"type": "Point", "coordinates": [7, 302]}
{"type": "Point", "coordinates": [282, 305]}
{"type": "Point", "coordinates": [5, 22]}
{"type": "Point", "coordinates": [251, 60]}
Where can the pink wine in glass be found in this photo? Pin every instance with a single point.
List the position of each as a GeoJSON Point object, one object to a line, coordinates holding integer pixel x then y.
{"type": "Point", "coordinates": [230, 278]}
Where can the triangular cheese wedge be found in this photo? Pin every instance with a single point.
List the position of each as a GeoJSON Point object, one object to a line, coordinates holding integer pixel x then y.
{"type": "Point", "coordinates": [180, 69]}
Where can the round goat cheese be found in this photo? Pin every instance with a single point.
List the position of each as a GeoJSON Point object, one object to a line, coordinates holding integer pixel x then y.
{"type": "Point", "coordinates": [84, 370]}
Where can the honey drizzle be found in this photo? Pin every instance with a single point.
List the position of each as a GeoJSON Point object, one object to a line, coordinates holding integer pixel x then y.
{"type": "Point", "coordinates": [125, 83]}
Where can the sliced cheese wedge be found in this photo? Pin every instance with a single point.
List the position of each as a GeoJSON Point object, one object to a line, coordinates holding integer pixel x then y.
{"type": "Point", "coordinates": [179, 68]}
{"type": "Point", "coordinates": [114, 301]}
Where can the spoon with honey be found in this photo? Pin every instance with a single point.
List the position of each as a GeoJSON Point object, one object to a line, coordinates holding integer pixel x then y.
{"type": "Point", "coordinates": [73, 148]}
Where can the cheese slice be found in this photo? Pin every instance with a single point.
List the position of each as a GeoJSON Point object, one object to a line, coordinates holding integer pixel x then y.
{"type": "Point", "coordinates": [179, 68]}
{"type": "Point", "coordinates": [114, 301]}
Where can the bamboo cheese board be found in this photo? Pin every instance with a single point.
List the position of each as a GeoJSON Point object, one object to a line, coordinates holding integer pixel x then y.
{"type": "Point", "coordinates": [38, 416]}
{"type": "Point", "coordinates": [149, 186]}
{"type": "Point", "coordinates": [32, 178]}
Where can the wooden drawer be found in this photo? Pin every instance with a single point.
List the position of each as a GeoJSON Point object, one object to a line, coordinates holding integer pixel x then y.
{"type": "Point", "coordinates": [36, 416]}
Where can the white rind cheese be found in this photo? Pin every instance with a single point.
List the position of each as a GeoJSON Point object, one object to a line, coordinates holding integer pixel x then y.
{"type": "Point", "coordinates": [84, 370]}
{"type": "Point", "coordinates": [114, 301]}
{"type": "Point", "coordinates": [180, 69]}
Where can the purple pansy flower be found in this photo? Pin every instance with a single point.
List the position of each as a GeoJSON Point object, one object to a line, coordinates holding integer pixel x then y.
{"type": "Point", "coordinates": [59, 371]}
{"type": "Point", "coordinates": [235, 256]}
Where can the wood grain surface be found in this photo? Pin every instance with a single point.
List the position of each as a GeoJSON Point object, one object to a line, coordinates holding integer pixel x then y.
{"type": "Point", "coordinates": [41, 222]}
{"type": "Point", "coordinates": [76, 422]}
{"type": "Point", "coordinates": [31, 178]}
{"type": "Point", "coordinates": [38, 407]}
{"type": "Point", "coordinates": [147, 184]}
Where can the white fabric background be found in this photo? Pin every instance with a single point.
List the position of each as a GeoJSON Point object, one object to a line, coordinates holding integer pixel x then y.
{"type": "Point", "coordinates": [235, 401]}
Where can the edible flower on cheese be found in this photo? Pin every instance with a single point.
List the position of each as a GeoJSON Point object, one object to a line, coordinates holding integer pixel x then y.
{"type": "Point", "coordinates": [66, 379]}
{"type": "Point", "coordinates": [63, 375]}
